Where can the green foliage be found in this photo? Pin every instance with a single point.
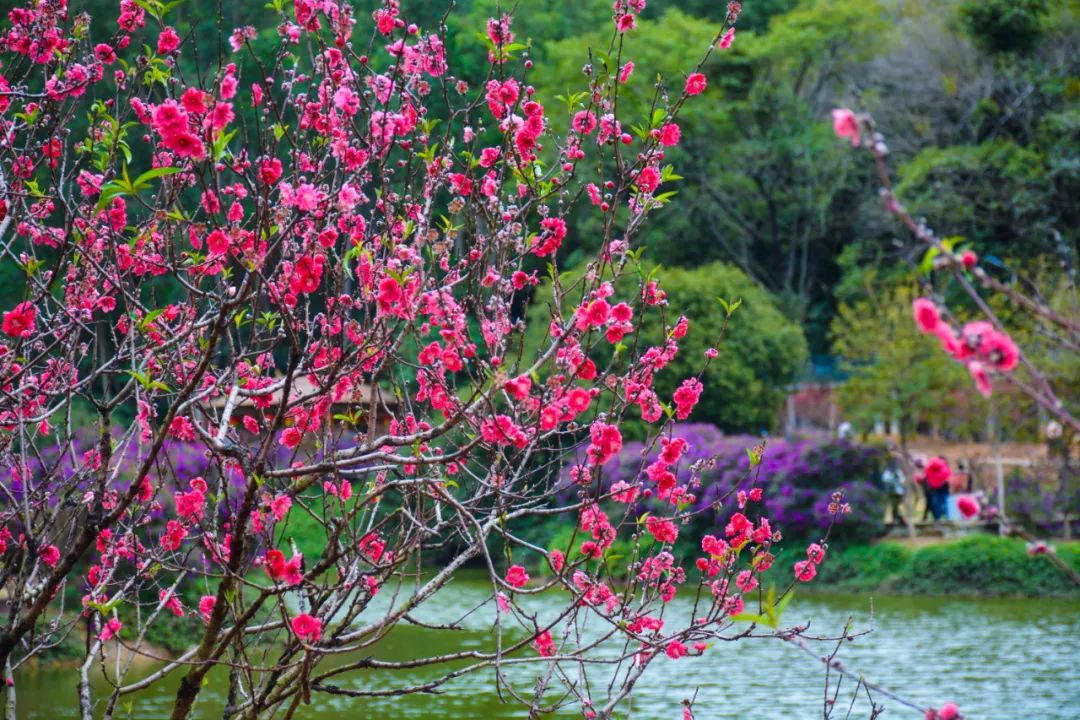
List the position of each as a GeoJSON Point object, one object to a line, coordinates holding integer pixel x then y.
{"type": "Point", "coordinates": [1004, 25]}
{"type": "Point", "coordinates": [985, 193]}
{"type": "Point", "coordinates": [988, 565]}
{"type": "Point", "coordinates": [760, 350]}
{"type": "Point", "coordinates": [759, 353]}
{"type": "Point", "coordinates": [895, 372]}
{"type": "Point", "coordinates": [174, 634]}
{"type": "Point", "coordinates": [862, 567]}
{"type": "Point", "coordinates": [980, 565]}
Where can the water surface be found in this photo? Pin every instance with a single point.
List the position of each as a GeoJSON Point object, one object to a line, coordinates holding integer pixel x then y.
{"type": "Point", "coordinates": [998, 659]}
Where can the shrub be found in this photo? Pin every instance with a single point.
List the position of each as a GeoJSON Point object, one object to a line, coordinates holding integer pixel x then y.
{"type": "Point", "coordinates": [981, 565]}
{"type": "Point", "coordinates": [1036, 497]}
{"type": "Point", "coordinates": [985, 565]}
{"type": "Point", "coordinates": [798, 478]}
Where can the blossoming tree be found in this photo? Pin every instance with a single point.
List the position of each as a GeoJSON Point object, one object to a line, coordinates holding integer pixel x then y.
{"type": "Point", "coordinates": [303, 224]}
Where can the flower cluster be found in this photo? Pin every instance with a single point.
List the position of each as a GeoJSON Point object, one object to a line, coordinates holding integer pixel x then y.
{"type": "Point", "coordinates": [979, 345]}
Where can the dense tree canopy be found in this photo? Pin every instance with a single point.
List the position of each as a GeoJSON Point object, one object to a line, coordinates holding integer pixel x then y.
{"type": "Point", "coordinates": [987, 137]}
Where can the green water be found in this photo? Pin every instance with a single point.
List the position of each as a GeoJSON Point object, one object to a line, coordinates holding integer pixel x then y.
{"type": "Point", "coordinates": [998, 659]}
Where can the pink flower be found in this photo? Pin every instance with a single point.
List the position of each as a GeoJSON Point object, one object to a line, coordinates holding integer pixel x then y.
{"type": "Point", "coordinates": [50, 555]}
{"type": "Point", "coordinates": [805, 570]}
{"type": "Point", "coordinates": [584, 122]}
{"type": "Point", "coordinates": [648, 179]}
{"type": "Point", "coordinates": [185, 145]}
{"type": "Point", "coordinates": [695, 84]}
{"type": "Point", "coordinates": [307, 274]}
{"type": "Point", "coordinates": [182, 429]}
{"type": "Point", "coordinates": [670, 134]}
{"type": "Point", "coordinates": [173, 536]}
{"type": "Point", "coordinates": [306, 197]}
{"type": "Point", "coordinates": [372, 546]}
{"type": "Point", "coordinates": [815, 553]}
{"type": "Point", "coordinates": [664, 531]}
{"type": "Point", "coordinates": [926, 314]}
{"type": "Point", "coordinates": [675, 650]}
{"type": "Point", "coordinates": [171, 603]}
{"type": "Point", "coordinates": [969, 259]}
{"type": "Point", "coordinates": [516, 576]}
{"type": "Point", "coordinates": [968, 506]}
{"type": "Point", "coordinates": [597, 313]}
{"type": "Point", "coordinates": [686, 397]}
{"type": "Point", "coordinates": [307, 628]}
{"type": "Point", "coordinates": [949, 342]}
{"type": "Point", "coordinates": [347, 101]}
{"type": "Point", "coordinates": [845, 124]}
{"type": "Point", "coordinates": [270, 171]}
{"type": "Point", "coordinates": [206, 606]}
{"type": "Point", "coordinates": [111, 630]}
{"type": "Point", "coordinates": [544, 645]}
{"type": "Point", "coordinates": [981, 376]}
{"type": "Point", "coordinates": [578, 400]}
{"type": "Point", "coordinates": [280, 505]}
{"type": "Point", "coordinates": [217, 242]}
{"type": "Point", "coordinates": [606, 441]}
{"type": "Point", "coordinates": [624, 492]}
{"type": "Point", "coordinates": [1001, 351]}
{"type": "Point", "coordinates": [105, 53]}
{"type": "Point", "coordinates": [19, 321]}
{"type": "Point", "coordinates": [729, 37]}
{"type": "Point", "coordinates": [291, 437]}
{"type": "Point", "coordinates": [194, 100]}
{"type": "Point", "coordinates": [622, 313]}
{"type": "Point", "coordinates": [389, 294]}
{"type": "Point", "coordinates": [281, 571]}
{"type": "Point", "coordinates": [189, 505]}
{"type": "Point", "coordinates": [949, 711]}
{"type": "Point", "coordinates": [168, 41]}
{"type": "Point", "coordinates": [169, 119]}
{"type": "Point", "coordinates": [937, 472]}
{"type": "Point", "coordinates": [557, 560]}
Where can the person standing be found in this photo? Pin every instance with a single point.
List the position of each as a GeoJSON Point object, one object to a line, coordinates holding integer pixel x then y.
{"type": "Point", "coordinates": [920, 479]}
{"type": "Point", "coordinates": [938, 474]}
{"type": "Point", "coordinates": [892, 477]}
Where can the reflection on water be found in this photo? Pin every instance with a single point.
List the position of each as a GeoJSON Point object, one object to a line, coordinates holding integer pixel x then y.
{"type": "Point", "coordinates": [998, 659]}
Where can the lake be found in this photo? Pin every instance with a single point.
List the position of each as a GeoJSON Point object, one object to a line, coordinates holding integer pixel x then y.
{"type": "Point", "coordinates": [998, 659]}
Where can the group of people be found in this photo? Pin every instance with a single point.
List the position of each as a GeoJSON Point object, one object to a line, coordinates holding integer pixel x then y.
{"type": "Point", "coordinates": [937, 480]}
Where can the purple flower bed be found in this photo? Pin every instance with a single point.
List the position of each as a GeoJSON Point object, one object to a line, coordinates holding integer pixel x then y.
{"type": "Point", "coordinates": [1038, 497]}
{"type": "Point", "coordinates": [797, 476]}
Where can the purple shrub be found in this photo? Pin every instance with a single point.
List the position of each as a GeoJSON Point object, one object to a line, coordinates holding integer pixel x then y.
{"type": "Point", "coordinates": [798, 477]}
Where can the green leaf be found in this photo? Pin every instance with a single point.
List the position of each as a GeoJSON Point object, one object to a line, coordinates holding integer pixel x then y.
{"type": "Point", "coordinates": [784, 603]}
{"type": "Point", "coordinates": [143, 181]}
{"type": "Point", "coordinates": [149, 318]}
{"type": "Point", "coordinates": [751, 618]}
{"type": "Point", "coordinates": [108, 191]}
{"type": "Point", "coordinates": [731, 307]}
{"type": "Point", "coordinates": [927, 264]}
{"type": "Point", "coordinates": [221, 144]}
